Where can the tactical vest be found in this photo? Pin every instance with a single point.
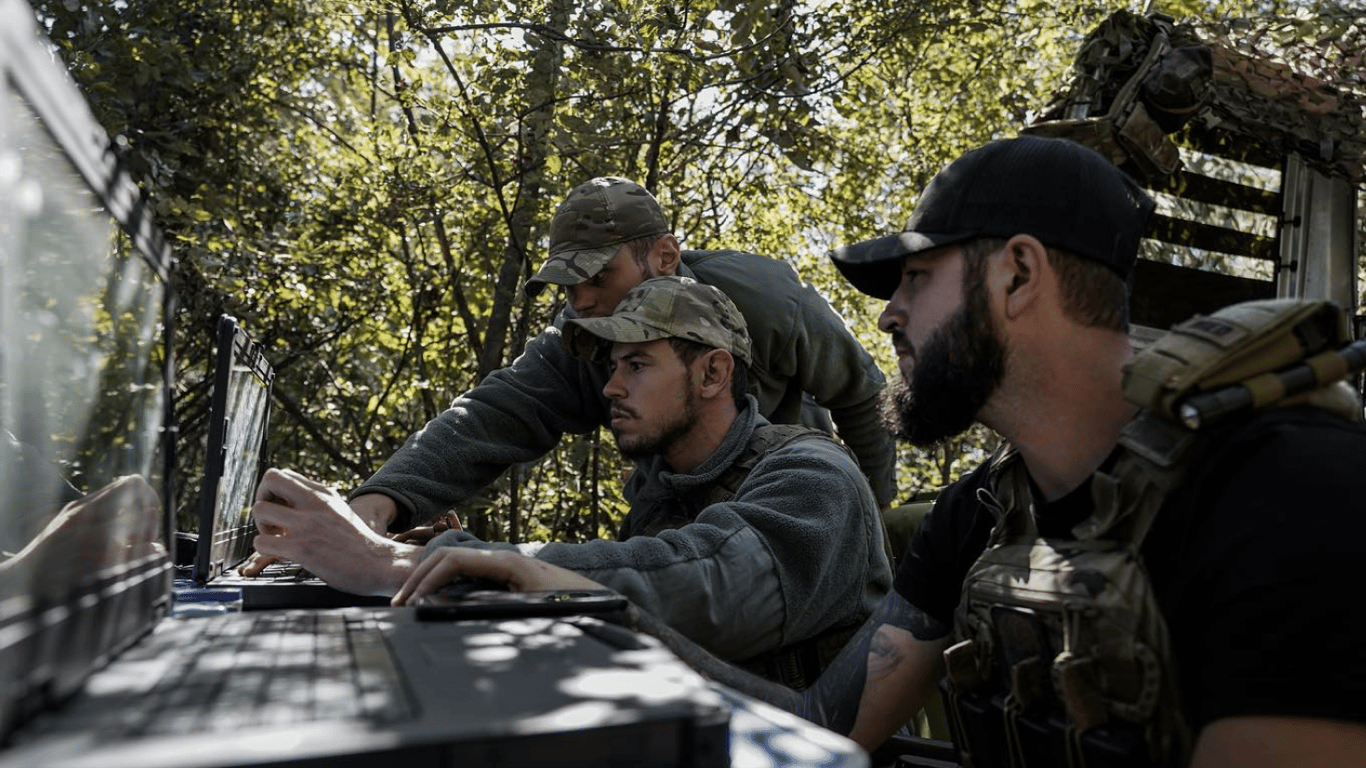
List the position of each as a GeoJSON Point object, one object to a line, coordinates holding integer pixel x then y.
{"type": "Point", "coordinates": [796, 665]}
{"type": "Point", "coordinates": [1061, 655]}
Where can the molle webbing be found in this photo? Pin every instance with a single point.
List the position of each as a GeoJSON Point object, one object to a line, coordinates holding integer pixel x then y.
{"type": "Point", "coordinates": [1062, 654]}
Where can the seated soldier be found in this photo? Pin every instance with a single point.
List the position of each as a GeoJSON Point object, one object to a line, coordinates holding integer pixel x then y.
{"type": "Point", "coordinates": [757, 541]}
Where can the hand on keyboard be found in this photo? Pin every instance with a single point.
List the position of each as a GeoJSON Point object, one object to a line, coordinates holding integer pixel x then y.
{"type": "Point", "coordinates": [254, 565]}
{"type": "Point", "coordinates": [310, 523]}
{"type": "Point", "coordinates": [464, 585]}
{"type": "Point", "coordinates": [517, 571]}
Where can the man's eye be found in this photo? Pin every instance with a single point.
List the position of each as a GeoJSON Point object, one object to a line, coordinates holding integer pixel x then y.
{"type": "Point", "coordinates": [911, 274]}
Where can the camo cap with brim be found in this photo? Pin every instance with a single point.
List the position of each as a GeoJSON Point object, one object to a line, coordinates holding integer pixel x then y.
{"type": "Point", "coordinates": [662, 308]}
{"type": "Point", "coordinates": [590, 226]}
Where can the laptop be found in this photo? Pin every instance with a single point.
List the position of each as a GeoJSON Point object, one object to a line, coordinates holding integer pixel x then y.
{"type": "Point", "coordinates": [368, 686]}
{"type": "Point", "coordinates": [239, 414]}
{"type": "Point", "coordinates": [239, 417]}
{"type": "Point", "coordinates": [95, 668]}
{"type": "Point", "coordinates": [84, 367]}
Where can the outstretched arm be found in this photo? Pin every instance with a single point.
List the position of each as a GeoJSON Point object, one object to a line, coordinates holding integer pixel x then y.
{"type": "Point", "coordinates": [518, 571]}
{"type": "Point", "coordinates": [516, 414]}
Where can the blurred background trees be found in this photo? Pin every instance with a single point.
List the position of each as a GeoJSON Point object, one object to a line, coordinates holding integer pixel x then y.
{"type": "Point", "coordinates": [367, 183]}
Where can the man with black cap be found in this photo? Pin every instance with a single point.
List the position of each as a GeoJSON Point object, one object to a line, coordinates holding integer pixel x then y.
{"type": "Point", "coordinates": [1007, 305]}
{"type": "Point", "coordinates": [761, 542]}
{"type": "Point", "coordinates": [1095, 594]}
{"type": "Point", "coordinates": [607, 236]}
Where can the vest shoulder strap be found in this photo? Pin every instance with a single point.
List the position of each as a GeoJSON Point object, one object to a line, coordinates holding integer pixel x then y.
{"type": "Point", "coordinates": [765, 439]}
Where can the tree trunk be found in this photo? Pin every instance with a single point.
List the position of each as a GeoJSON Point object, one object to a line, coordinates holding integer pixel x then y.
{"type": "Point", "coordinates": [534, 144]}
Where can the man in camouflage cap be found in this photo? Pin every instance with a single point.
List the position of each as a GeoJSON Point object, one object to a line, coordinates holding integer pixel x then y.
{"type": "Point", "coordinates": [680, 308]}
{"type": "Point", "coordinates": [761, 542]}
{"type": "Point", "coordinates": [608, 236]}
{"type": "Point", "coordinates": [589, 228]}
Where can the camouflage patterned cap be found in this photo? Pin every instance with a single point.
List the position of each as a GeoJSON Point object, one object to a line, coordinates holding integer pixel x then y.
{"type": "Point", "coordinates": [590, 226]}
{"type": "Point", "coordinates": [662, 308]}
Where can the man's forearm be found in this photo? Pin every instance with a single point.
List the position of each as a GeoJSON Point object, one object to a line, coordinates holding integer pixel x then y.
{"type": "Point", "coordinates": [877, 682]}
{"type": "Point", "coordinates": [515, 415]}
{"type": "Point", "coordinates": [305, 521]}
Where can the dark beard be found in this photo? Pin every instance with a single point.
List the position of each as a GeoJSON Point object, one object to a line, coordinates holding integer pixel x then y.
{"type": "Point", "coordinates": [956, 371]}
{"type": "Point", "coordinates": [668, 435]}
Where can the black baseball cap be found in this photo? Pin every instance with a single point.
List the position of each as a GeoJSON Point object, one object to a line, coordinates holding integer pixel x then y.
{"type": "Point", "coordinates": [1066, 195]}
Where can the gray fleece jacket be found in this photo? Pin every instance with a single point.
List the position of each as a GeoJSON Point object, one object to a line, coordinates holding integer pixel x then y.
{"type": "Point", "coordinates": [797, 549]}
{"type": "Point", "coordinates": [519, 413]}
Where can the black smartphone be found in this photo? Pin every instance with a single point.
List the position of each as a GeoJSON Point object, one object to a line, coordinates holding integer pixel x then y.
{"type": "Point", "coordinates": [502, 604]}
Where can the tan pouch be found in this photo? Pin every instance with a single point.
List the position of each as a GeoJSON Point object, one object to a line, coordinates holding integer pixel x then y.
{"type": "Point", "coordinates": [1239, 344]}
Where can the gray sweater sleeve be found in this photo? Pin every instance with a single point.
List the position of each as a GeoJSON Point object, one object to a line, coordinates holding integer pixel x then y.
{"type": "Point", "coordinates": [798, 549]}
{"type": "Point", "coordinates": [514, 415]}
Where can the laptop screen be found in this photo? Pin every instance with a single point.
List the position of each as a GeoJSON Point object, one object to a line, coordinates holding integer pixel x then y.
{"type": "Point", "coordinates": [83, 389]}
{"type": "Point", "coordinates": [82, 393]}
{"type": "Point", "coordinates": [237, 429]}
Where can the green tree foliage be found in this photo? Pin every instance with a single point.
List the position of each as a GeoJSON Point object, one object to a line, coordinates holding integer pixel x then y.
{"type": "Point", "coordinates": [367, 183]}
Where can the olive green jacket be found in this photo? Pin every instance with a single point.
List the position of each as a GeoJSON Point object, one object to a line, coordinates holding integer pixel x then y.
{"type": "Point", "coordinates": [519, 413]}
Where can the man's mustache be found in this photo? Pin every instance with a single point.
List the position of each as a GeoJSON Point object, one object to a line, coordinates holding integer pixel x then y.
{"type": "Point", "coordinates": [901, 344]}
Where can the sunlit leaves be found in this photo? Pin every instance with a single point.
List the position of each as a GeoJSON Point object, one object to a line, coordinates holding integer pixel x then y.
{"type": "Point", "coordinates": [351, 178]}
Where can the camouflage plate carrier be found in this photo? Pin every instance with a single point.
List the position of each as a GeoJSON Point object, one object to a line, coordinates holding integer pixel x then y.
{"type": "Point", "coordinates": [1061, 654]}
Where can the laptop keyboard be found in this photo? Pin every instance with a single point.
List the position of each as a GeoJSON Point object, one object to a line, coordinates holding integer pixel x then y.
{"type": "Point", "coordinates": [283, 572]}
{"type": "Point", "coordinates": [237, 670]}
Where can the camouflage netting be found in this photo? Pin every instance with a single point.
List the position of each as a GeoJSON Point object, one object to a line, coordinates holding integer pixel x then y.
{"type": "Point", "coordinates": [1270, 86]}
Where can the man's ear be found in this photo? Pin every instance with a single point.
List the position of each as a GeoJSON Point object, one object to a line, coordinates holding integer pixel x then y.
{"type": "Point", "coordinates": [664, 256]}
{"type": "Point", "coordinates": [718, 366]}
{"type": "Point", "coordinates": [1022, 263]}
